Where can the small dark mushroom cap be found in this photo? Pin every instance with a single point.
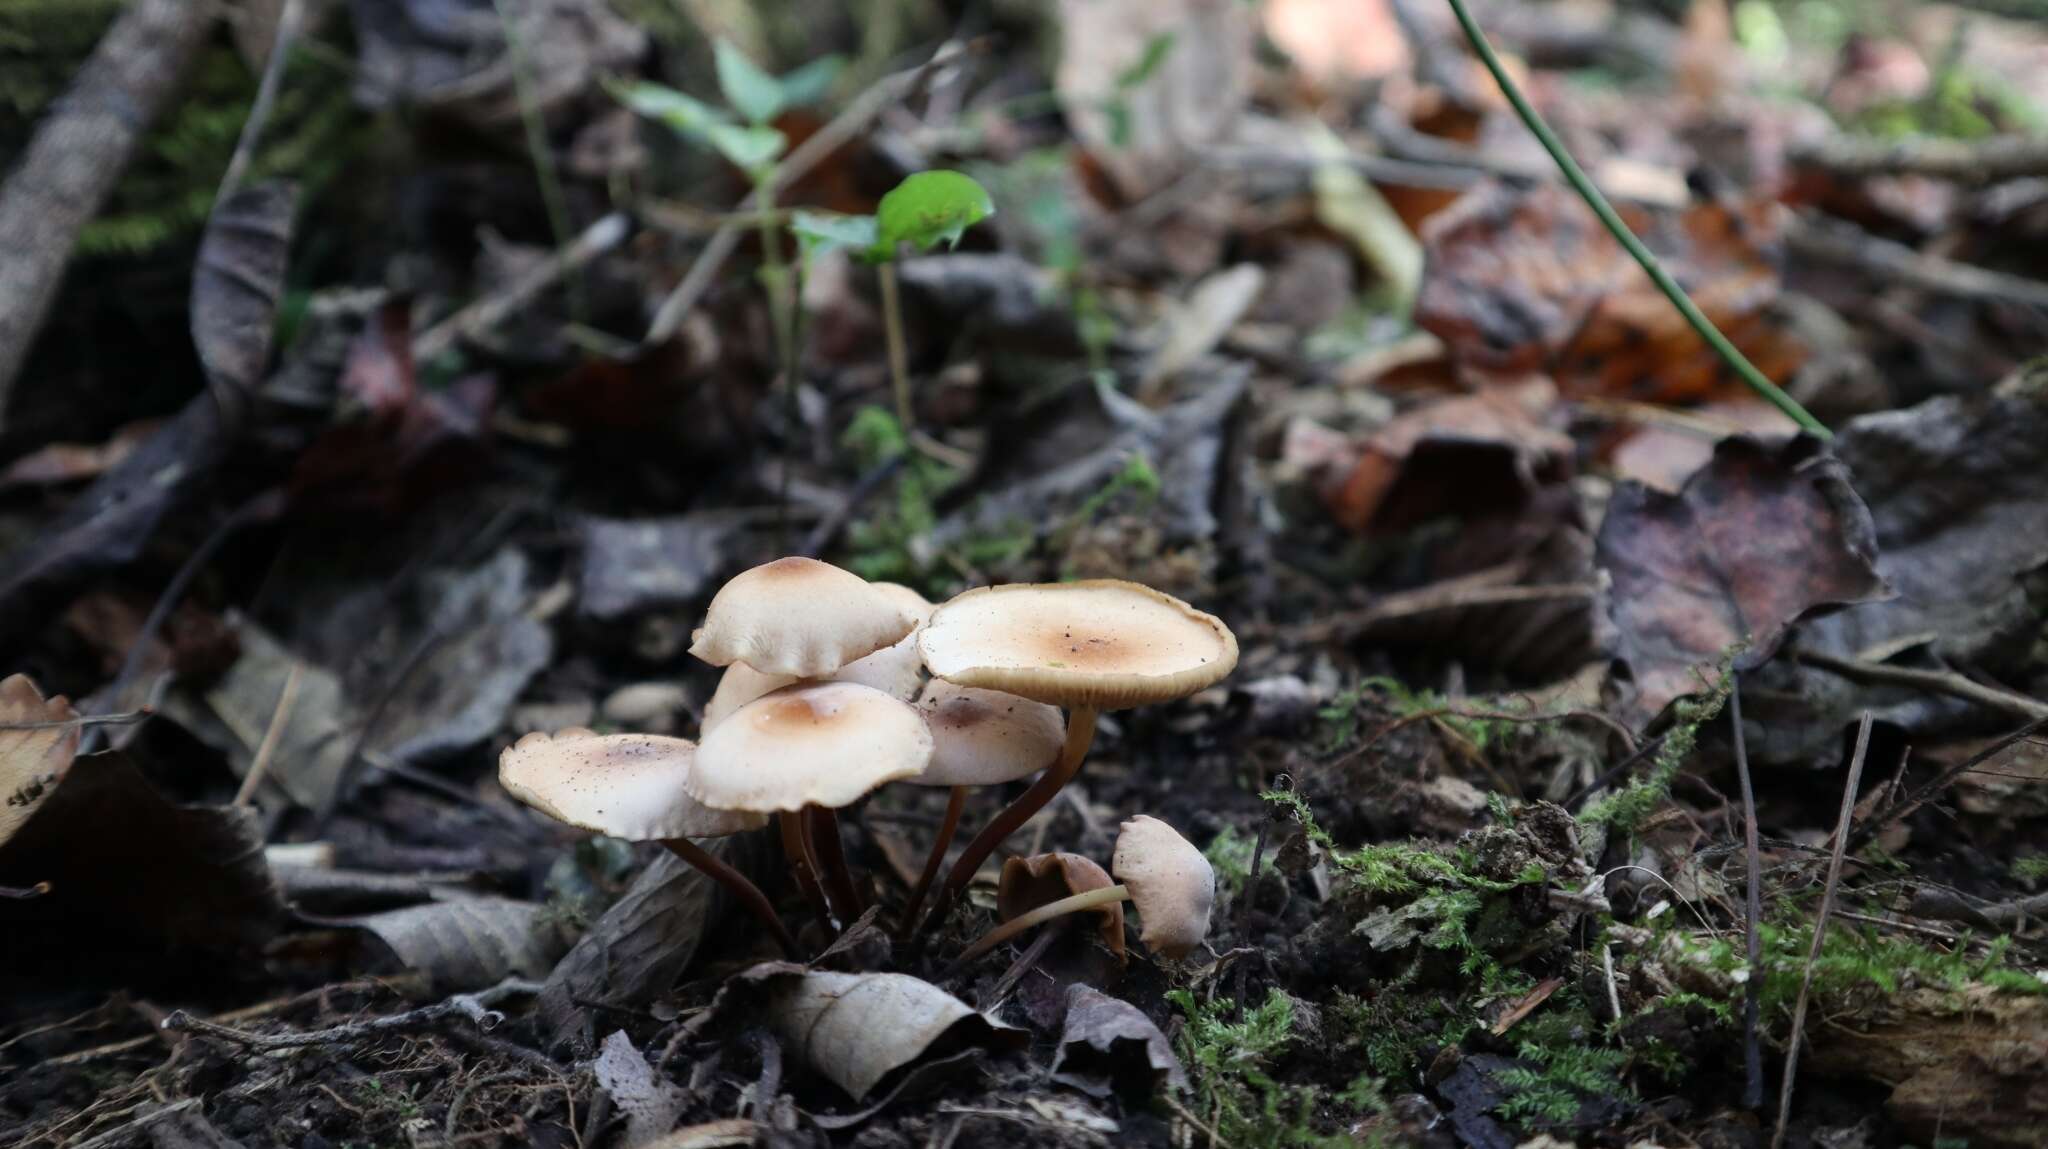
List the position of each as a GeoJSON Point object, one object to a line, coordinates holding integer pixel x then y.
{"type": "Point", "coordinates": [1028, 883]}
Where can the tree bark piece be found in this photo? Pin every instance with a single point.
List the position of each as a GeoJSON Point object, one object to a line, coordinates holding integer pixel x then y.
{"type": "Point", "coordinates": [78, 154]}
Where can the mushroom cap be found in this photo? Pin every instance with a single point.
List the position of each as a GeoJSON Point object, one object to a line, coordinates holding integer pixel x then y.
{"type": "Point", "coordinates": [1028, 883]}
{"type": "Point", "coordinates": [1103, 643]}
{"type": "Point", "coordinates": [895, 670]}
{"type": "Point", "coordinates": [910, 600]}
{"type": "Point", "coordinates": [627, 786]}
{"type": "Point", "coordinates": [813, 744]}
{"type": "Point", "coordinates": [739, 685]}
{"type": "Point", "coordinates": [1171, 884]}
{"type": "Point", "coordinates": [982, 737]}
{"type": "Point", "coordinates": [799, 617]}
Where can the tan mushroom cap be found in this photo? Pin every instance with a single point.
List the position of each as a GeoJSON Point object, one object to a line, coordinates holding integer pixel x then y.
{"type": "Point", "coordinates": [813, 744]}
{"type": "Point", "coordinates": [918, 606]}
{"type": "Point", "coordinates": [1103, 643]}
{"type": "Point", "coordinates": [798, 617]}
{"type": "Point", "coordinates": [627, 786]}
{"type": "Point", "coordinates": [895, 670]}
{"type": "Point", "coordinates": [1028, 883]}
{"type": "Point", "coordinates": [1171, 883]}
{"type": "Point", "coordinates": [982, 737]}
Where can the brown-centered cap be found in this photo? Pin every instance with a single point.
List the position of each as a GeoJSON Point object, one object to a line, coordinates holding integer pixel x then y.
{"type": "Point", "coordinates": [1103, 643]}
{"type": "Point", "coordinates": [1028, 883]}
{"type": "Point", "coordinates": [627, 786]}
{"type": "Point", "coordinates": [813, 744]}
{"type": "Point", "coordinates": [982, 737]}
{"type": "Point", "coordinates": [895, 670]}
{"type": "Point", "coordinates": [1171, 884]}
{"type": "Point", "coordinates": [799, 617]}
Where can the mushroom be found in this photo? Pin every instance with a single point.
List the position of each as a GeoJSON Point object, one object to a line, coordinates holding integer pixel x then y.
{"type": "Point", "coordinates": [896, 669]}
{"type": "Point", "coordinates": [799, 617]}
{"type": "Point", "coordinates": [632, 786]}
{"type": "Point", "coordinates": [1160, 872]}
{"type": "Point", "coordinates": [1029, 883]}
{"type": "Point", "coordinates": [1094, 645]}
{"type": "Point", "coordinates": [979, 738]}
{"type": "Point", "coordinates": [806, 750]}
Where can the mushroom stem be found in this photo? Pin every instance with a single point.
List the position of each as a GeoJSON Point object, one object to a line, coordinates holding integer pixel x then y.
{"type": "Point", "coordinates": [1080, 735]}
{"type": "Point", "coordinates": [796, 850]}
{"type": "Point", "coordinates": [840, 888]}
{"type": "Point", "coordinates": [1071, 904]}
{"type": "Point", "coordinates": [947, 827]}
{"type": "Point", "coordinates": [737, 884]}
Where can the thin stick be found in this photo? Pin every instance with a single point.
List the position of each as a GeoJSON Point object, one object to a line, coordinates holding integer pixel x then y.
{"type": "Point", "coordinates": [1244, 905]}
{"type": "Point", "coordinates": [737, 884]}
{"type": "Point", "coordinates": [495, 308]}
{"type": "Point", "coordinates": [551, 197]}
{"type": "Point", "coordinates": [288, 19]}
{"type": "Point", "coordinates": [1031, 956]}
{"type": "Point", "coordinates": [1583, 184]}
{"type": "Point", "coordinates": [1071, 904]}
{"type": "Point", "coordinates": [1940, 681]}
{"type": "Point", "coordinates": [1820, 926]}
{"type": "Point", "coordinates": [259, 766]}
{"type": "Point", "coordinates": [24, 893]}
{"type": "Point", "coordinates": [1080, 735]}
{"type": "Point", "coordinates": [948, 826]}
{"type": "Point", "coordinates": [1753, 912]}
{"type": "Point", "coordinates": [796, 853]}
{"type": "Point", "coordinates": [1927, 793]}
{"type": "Point", "coordinates": [475, 1006]}
{"type": "Point", "coordinates": [82, 720]}
{"type": "Point", "coordinates": [899, 357]}
{"type": "Point", "coordinates": [831, 853]}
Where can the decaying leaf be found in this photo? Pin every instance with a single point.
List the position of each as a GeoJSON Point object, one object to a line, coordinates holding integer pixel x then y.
{"type": "Point", "coordinates": [32, 761]}
{"type": "Point", "coordinates": [1969, 1064]}
{"type": "Point", "coordinates": [1110, 1046]}
{"type": "Point", "coordinates": [490, 648]}
{"type": "Point", "coordinates": [1520, 280]}
{"type": "Point", "coordinates": [469, 943]}
{"type": "Point", "coordinates": [1757, 539]}
{"type": "Point", "coordinates": [135, 881]}
{"type": "Point", "coordinates": [450, 54]}
{"type": "Point", "coordinates": [235, 711]}
{"type": "Point", "coordinates": [236, 288]}
{"type": "Point", "coordinates": [858, 1028]}
{"type": "Point", "coordinates": [632, 565]}
{"type": "Point", "coordinates": [651, 1104]}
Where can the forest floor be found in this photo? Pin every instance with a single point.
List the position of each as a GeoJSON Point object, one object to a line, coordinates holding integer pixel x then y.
{"type": "Point", "coordinates": [1605, 763]}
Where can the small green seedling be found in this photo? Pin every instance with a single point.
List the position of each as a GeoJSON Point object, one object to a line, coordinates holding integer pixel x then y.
{"type": "Point", "coordinates": [925, 210]}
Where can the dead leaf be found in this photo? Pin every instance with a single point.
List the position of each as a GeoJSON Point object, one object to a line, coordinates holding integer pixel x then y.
{"type": "Point", "coordinates": [135, 881]}
{"type": "Point", "coordinates": [449, 55]}
{"type": "Point", "coordinates": [1338, 40]}
{"type": "Point", "coordinates": [634, 565]}
{"type": "Point", "coordinates": [1526, 279]}
{"type": "Point", "coordinates": [32, 762]}
{"type": "Point", "coordinates": [858, 1028]}
{"type": "Point", "coordinates": [490, 649]}
{"type": "Point", "coordinates": [1197, 326]}
{"type": "Point", "coordinates": [59, 463]}
{"type": "Point", "coordinates": [651, 1105]}
{"type": "Point", "coordinates": [1110, 1046]}
{"type": "Point", "coordinates": [234, 712]}
{"type": "Point", "coordinates": [1143, 125]}
{"type": "Point", "coordinates": [1759, 538]}
{"type": "Point", "coordinates": [236, 287]}
{"type": "Point", "coordinates": [468, 943]}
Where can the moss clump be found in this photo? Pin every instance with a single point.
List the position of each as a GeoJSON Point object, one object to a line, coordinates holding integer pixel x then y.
{"type": "Point", "coordinates": [1229, 1063]}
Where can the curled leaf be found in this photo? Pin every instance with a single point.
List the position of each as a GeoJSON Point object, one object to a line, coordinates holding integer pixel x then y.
{"type": "Point", "coordinates": [33, 754]}
{"type": "Point", "coordinates": [858, 1028]}
{"type": "Point", "coordinates": [1109, 1046]}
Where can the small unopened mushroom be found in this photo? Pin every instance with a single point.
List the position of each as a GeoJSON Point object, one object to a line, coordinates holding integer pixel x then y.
{"type": "Point", "coordinates": [1094, 645]}
{"type": "Point", "coordinates": [979, 738]}
{"type": "Point", "coordinates": [810, 749]}
{"type": "Point", "coordinates": [1028, 883]}
{"type": "Point", "coordinates": [896, 669]}
{"type": "Point", "coordinates": [632, 786]}
{"type": "Point", "coordinates": [799, 617]}
{"type": "Point", "coordinates": [1162, 874]}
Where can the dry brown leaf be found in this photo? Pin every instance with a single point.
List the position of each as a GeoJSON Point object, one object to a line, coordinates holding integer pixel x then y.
{"type": "Point", "coordinates": [1338, 40]}
{"type": "Point", "coordinates": [1110, 1046]}
{"type": "Point", "coordinates": [32, 762]}
{"type": "Point", "coordinates": [857, 1028]}
{"type": "Point", "coordinates": [651, 1104]}
{"type": "Point", "coordinates": [470, 943]}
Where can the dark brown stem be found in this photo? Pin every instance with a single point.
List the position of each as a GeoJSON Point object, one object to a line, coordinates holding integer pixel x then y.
{"type": "Point", "coordinates": [796, 850]}
{"type": "Point", "coordinates": [735, 883]}
{"type": "Point", "coordinates": [947, 827]}
{"type": "Point", "coordinates": [1080, 735]}
{"type": "Point", "coordinates": [839, 883]}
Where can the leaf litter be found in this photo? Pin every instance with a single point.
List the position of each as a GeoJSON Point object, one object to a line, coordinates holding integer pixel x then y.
{"type": "Point", "coordinates": [1276, 309]}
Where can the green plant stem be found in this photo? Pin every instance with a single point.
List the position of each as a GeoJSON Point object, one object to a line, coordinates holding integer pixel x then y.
{"type": "Point", "coordinates": [543, 159]}
{"type": "Point", "coordinates": [775, 273]}
{"type": "Point", "coordinates": [899, 359]}
{"type": "Point", "coordinates": [1583, 184]}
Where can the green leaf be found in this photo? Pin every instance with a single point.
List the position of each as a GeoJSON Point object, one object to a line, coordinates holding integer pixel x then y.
{"type": "Point", "coordinates": [927, 209]}
{"type": "Point", "coordinates": [1156, 50]}
{"type": "Point", "coordinates": [754, 94]}
{"type": "Point", "coordinates": [685, 114]}
{"type": "Point", "coordinates": [748, 148]}
{"type": "Point", "coordinates": [822, 231]}
{"type": "Point", "coordinates": [810, 83]}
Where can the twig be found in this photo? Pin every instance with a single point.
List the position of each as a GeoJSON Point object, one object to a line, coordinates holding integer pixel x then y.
{"type": "Point", "coordinates": [1892, 261]}
{"type": "Point", "coordinates": [83, 720]}
{"type": "Point", "coordinates": [1940, 681]}
{"type": "Point", "coordinates": [279, 718]}
{"type": "Point", "coordinates": [843, 128]}
{"type": "Point", "coordinates": [79, 151]}
{"type": "Point", "coordinates": [1942, 782]}
{"type": "Point", "coordinates": [1216, 1140]}
{"type": "Point", "coordinates": [550, 181]}
{"type": "Point", "coordinates": [1753, 912]}
{"type": "Point", "coordinates": [1947, 906]}
{"type": "Point", "coordinates": [492, 310]}
{"type": "Point", "coordinates": [474, 1006]}
{"type": "Point", "coordinates": [24, 893]}
{"type": "Point", "coordinates": [288, 19]}
{"type": "Point", "coordinates": [1964, 161]}
{"type": "Point", "coordinates": [1583, 184]}
{"type": "Point", "coordinates": [1244, 903]}
{"type": "Point", "coordinates": [125, 1133]}
{"type": "Point", "coordinates": [1347, 625]}
{"type": "Point", "coordinates": [1613, 772]}
{"type": "Point", "coordinates": [1820, 926]}
{"type": "Point", "coordinates": [826, 532]}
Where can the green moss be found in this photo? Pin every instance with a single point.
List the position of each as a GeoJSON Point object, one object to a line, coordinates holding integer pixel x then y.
{"type": "Point", "coordinates": [1626, 808]}
{"type": "Point", "coordinates": [1229, 1065]}
{"type": "Point", "coordinates": [1563, 1066]}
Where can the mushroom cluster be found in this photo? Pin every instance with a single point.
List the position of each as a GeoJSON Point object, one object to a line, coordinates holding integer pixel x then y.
{"type": "Point", "coordinates": [824, 699]}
